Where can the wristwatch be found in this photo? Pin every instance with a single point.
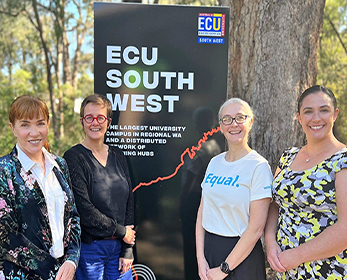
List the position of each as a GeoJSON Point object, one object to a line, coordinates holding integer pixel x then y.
{"type": "Point", "coordinates": [224, 267]}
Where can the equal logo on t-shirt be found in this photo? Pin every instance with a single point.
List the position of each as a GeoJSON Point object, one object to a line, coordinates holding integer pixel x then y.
{"type": "Point", "coordinates": [220, 180]}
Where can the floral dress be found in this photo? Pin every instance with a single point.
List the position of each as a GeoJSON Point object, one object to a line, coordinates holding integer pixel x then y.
{"type": "Point", "coordinates": [307, 206]}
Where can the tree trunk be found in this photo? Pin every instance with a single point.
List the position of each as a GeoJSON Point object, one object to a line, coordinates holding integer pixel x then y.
{"type": "Point", "coordinates": [272, 58]}
{"type": "Point", "coordinates": [48, 69]}
{"type": "Point", "coordinates": [76, 61]}
{"type": "Point", "coordinates": [81, 31]}
{"type": "Point", "coordinates": [59, 57]}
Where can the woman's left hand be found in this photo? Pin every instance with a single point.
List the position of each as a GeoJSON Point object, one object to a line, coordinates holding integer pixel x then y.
{"type": "Point", "coordinates": [215, 274]}
{"type": "Point", "coordinates": [66, 271]}
{"type": "Point", "coordinates": [289, 259]}
{"type": "Point", "coordinates": [125, 264]}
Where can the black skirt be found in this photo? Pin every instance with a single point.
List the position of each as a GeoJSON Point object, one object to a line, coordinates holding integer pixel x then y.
{"type": "Point", "coordinates": [217, 248]}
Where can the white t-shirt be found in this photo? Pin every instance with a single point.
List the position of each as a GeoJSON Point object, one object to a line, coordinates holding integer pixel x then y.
{"type": "Point", "coordinates": [228, 189]}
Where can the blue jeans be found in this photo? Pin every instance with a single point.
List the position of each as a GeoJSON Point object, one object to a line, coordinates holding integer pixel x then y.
{"type": "Point", "coordinates": [99, 261]}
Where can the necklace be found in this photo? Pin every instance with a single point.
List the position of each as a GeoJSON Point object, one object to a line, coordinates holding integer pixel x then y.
{"type": "Point", "coordinates": [309, 158]}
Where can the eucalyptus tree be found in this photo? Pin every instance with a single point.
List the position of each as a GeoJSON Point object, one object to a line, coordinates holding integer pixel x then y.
{"type": "Point", "coordinates": [61, 27]}
{"type": "Point", "coordinates": [333, 59]}
{"type": "Point", "coordinates": [272, 58]}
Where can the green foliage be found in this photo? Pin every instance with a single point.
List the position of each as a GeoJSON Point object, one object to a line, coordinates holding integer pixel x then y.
{"type": "Point", "coordinates": [73, 130]}
{"type": "Point", "coordinates": [7, 95]}
{"type": "Point", "coordinates": [7, 140]}
{"type": "Point", "coordinates": [74, 135]}
{"type": "Point", "coordinates": [332, 62]}
{"type": "Point", "coordinates": [23, 67]}
{"type": "Point", "coordinates": [23, 70]}
{"type": "Point", "coordinates": [22, 84]}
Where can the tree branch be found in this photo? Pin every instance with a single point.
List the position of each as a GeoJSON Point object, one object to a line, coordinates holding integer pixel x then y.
{"type": "Point", "coordinates": [337, 33]}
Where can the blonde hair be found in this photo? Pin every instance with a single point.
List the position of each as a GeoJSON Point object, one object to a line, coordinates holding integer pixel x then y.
{"type": "Point", "coordinates": [244, 104]}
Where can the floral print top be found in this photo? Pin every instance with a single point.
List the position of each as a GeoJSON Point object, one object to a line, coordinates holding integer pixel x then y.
{"type": "Point", "coordinates": [307, 206]}
{"type": "Point", "coordinates": [25, 234]}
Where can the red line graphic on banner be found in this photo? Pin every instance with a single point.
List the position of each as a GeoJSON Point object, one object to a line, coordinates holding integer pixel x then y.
{"type": "Point", "coordinates": [191, 153]}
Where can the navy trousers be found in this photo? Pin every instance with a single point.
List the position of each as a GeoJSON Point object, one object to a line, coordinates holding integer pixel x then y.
{"type": "Point", "coordinates": [100, 260]}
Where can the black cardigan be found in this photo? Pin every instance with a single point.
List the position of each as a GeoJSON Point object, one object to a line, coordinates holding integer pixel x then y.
{"type": "Point", "coordinates": [95, 224]}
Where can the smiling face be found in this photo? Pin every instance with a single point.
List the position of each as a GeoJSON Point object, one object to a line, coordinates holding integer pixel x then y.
{"type": "Point", "coordinates": [317, 115]}
{"type": "Point", "coordinates": [94, 130]}
{"type": "Point", "coordinates": [235, 133]}
{"type": "Point", "coordinates": [31, 135]}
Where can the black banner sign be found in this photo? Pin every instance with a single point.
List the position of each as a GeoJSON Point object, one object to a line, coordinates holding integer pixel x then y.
{"type": "Point", "coordinates": [164, 69]}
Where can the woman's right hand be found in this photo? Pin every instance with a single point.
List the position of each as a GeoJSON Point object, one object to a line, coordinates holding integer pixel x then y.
{"type": "Point", "coordinates": [129, 237]}
{"type": "Point", "coordinates": [203, 268]}
{"type": "Point", "coordinates": [66, 271]}
{"type": "Point", "coordinates": [272, 256]}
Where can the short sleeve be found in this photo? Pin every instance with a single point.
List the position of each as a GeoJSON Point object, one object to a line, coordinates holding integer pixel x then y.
{"type": "Point", "coordinates": [287, 157]}
{"type": "Point", "coordinates": [339, 160]}
{"type": "Point", "coordinates": [261, 182]}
